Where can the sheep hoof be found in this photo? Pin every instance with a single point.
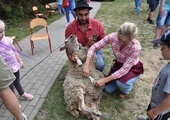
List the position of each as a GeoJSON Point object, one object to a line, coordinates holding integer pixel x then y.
{"type": "Point", "coordinates": [97, 113]}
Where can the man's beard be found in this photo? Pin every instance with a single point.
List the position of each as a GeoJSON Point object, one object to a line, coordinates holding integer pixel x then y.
{"type": "Point", "coordinates": [83, 22]}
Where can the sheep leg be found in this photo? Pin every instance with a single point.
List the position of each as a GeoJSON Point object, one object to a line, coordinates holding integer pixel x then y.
{"type": "Point", "coordinates": [94, 106]}
{"type": "Point", "coordinates": [78, 61]}
{"type": "Point", "coordinates": [95, 117]}
{"type": "Point", "coordinates": [83, 107]}
{"type": "Point", "coordinates": [92, 79]}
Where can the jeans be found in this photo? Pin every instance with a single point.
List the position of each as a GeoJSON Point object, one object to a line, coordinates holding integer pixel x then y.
{"type": "Point", "coordinates": [68, 9]}
{"type": "Point", "coordinates": [138, 5]}
{"type": "Point", "coordinates": [99, 63]}
{"type": "Point", "coordinates": [163, 20]}
{"type": "Point", "coordinates": [124, 88]}
{"type": "Point", "coordinates": [61, 9]}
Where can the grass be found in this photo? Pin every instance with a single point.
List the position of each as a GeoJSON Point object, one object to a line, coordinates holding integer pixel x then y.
{"type": "Point", "coordinates": [112, 15]}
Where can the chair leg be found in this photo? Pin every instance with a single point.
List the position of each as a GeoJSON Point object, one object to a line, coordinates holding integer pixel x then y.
{"type": "Point", "coordinates": [32, 47]}
{"type": "Point", "coordinates": [50, 44]}
{"type": "Point", "coordinates": [17, 44]}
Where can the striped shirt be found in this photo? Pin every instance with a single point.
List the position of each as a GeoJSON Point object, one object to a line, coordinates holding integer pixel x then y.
{"type": "Point", "coordinates": [94, 28]}
{"type": "Point", "coordinates": [129, 55]}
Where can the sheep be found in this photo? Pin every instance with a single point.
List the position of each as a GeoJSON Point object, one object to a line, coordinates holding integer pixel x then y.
{"type": "Point", "coordinates": [80, 94]}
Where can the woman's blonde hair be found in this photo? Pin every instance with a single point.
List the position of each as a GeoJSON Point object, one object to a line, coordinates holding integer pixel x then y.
{"type": "Point", "coordinates": [2, 24]}
{"type": "Point", "coordinates": [128, 31]}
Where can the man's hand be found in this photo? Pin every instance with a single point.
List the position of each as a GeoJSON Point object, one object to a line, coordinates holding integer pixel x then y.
{"type": "Point", "coordinates": [92, 40]}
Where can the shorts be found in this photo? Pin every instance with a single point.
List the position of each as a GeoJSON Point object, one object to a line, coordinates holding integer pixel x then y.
{"type": "Point", "coordinates": [163, 20]}
{"type": "Point", "coordinates": [6, 76]}
{"type": "Point", "coordinates": [153, 4]}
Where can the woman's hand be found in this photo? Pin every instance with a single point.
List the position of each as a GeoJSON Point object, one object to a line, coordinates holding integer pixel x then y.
{"type": "Point", "coordinates": [86, 70]}
{"type": "Point", "coordinates": [100, 83]}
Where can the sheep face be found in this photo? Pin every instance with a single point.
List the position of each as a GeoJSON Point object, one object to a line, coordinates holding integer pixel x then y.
{"type": "Point", "coordinates": [72, 44]}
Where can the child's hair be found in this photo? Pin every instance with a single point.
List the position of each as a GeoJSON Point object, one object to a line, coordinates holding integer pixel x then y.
{"type": "Point", "coordinates": [2, 24]}
{"type": "Point", "coordinates": [128, 30]}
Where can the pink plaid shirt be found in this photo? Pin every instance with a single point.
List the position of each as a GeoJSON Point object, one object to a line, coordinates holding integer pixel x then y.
{"type": "Point", "coordinates": [129, 55]}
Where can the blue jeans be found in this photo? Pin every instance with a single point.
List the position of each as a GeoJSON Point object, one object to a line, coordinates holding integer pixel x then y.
{"type": "Point", "coordinates": [124, 88]}
{"type": "Point", "coordinates": [99, 63]}
{"type": "Point", "coordinates": [68, 9]}
{"type": "Point", "coordinates": [61, 9]}
{"type": "Point", "coordinates": [137, 5]}
{"type": "Point", "coordinates": [163, 20]}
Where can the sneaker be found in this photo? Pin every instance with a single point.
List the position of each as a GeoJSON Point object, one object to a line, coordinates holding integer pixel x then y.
{"type": "Point", "coordinates": [66, 24]}
{"type": "Point", "coordinates": [24, 116]}
{"type": "Point", "coordinates": [141, 117]}
{"type": "Point", "coordinates": [150, 21]}
{"type": "Point", "coordinates": [136, 13]}
{"type": "Point", "coordinates": [27, 96]}
{"type": "Point", "coordinates": [155, 45]}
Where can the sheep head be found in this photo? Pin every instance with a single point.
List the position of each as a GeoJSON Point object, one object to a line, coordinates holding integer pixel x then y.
{"type": "Point", "coordinates": [71, 44]}
{"type": "Point", "coordinates": [75, 48]}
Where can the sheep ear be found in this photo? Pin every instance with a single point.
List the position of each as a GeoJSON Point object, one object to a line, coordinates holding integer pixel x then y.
{"type": "Point", "coordinates": [62, 48]}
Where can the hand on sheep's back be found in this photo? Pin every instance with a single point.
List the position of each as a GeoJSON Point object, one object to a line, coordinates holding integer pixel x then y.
{"type": "Point", "coordinates": [100, 83]}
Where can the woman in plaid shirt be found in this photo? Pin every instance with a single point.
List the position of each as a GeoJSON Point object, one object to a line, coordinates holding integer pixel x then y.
{"type": "Point", "coordinates": [127, 67]}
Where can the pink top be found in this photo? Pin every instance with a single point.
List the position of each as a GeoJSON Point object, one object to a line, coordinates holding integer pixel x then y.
{"type": "Point", "coordinates": [8, 54]}
{"type": "Point", "coordinates": [94, 28]}
{"type": "Point", "coordinates": [129, 55]}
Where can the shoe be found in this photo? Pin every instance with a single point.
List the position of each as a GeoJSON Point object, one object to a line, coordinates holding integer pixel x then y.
{"type": "Point", "coordinates": [136, 13]}
{"type": "Point", "coordinates": [27, 96]}
{"type": "Point", "coordinates": [24, 116]}
{"type": "Point", "coordinates": [150, 21]}
{"type": "Point", "coordinates": [141, 117]}
{"type": "Point", "coordinates": [155, 45]}
{"type": "Point", "coordinates": [66, 25]}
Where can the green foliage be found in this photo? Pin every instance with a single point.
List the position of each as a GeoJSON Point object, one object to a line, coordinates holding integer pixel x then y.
{"type": "Point", "coordinates": [14, 11]}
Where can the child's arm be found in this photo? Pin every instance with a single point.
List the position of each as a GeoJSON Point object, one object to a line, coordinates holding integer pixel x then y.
{"type": "Point", "coordinates": [163, 106]}
{"type": "Point", "coordinates": [18, 57]}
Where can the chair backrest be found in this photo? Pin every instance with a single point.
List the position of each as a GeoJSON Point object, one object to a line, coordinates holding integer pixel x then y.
{"type": "Point", "coordinates": [47, 6]}
{"type": "Point", "coordinates": [34, 8]}
{"type": "Point", "coordinates": [38, 22]}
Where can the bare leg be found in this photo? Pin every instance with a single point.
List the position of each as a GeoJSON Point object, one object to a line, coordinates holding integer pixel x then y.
{"type": "Point", "coordinates": [158, 33]}
{"type": "Point", "coordinates": [164, 29]}
{"type": "Point", "coordinates": [151, 15]}
{"type": "Point", "coordinates": [11, 103]}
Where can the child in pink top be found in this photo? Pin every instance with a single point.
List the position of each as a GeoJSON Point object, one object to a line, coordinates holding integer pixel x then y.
{"type": "Point", "coordinates": [13, 61]}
